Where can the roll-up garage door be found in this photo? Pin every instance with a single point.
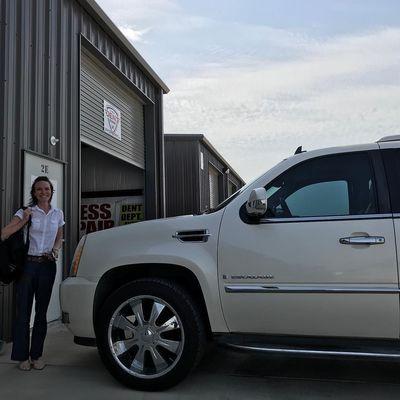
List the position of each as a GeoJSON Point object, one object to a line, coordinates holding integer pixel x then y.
{"type": "Point", "coordinates": [213, 178]}
{"type": "Point", "coordinates": [100, 90]}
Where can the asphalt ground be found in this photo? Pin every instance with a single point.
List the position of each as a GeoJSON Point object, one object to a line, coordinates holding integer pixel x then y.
{"type": "Point", "coordinates": [76, 372]}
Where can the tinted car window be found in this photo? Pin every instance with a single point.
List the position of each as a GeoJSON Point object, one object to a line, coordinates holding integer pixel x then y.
{"type": "Point", "coordinates": [319, 199]}
{"type": "Point", "coordinates": [335, 185]}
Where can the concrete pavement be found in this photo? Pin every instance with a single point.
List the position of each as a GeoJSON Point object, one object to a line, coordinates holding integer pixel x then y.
{"type": "Point", "coordinates": [76, 372]}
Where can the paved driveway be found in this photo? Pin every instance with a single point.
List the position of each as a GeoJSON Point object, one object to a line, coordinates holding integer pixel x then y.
{"type": "Point", "coordinates": [75, 372]}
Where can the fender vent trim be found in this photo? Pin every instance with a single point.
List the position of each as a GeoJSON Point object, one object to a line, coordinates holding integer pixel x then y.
{"type": "Point", "coordinates": [197, 236]}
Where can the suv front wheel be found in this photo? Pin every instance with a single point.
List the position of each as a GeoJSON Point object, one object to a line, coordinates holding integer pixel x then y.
{"type": "Point", "coordinates": [150, 334]}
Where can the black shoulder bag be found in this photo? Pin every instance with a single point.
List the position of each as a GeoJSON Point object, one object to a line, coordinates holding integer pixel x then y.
{"type": "Point", "coordinates": [13, 252]}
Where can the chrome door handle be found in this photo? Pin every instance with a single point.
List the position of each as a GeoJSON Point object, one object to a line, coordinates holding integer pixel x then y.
{"type": "Point", "coordinates": [362, 240]}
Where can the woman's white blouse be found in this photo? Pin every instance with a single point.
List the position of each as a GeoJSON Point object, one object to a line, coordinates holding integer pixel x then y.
{"type": "Point", "coordinates": [43, 230]}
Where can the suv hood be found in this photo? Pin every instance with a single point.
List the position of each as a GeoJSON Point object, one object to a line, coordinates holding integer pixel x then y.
{"type": "Point", "coordinates": [168, 240]}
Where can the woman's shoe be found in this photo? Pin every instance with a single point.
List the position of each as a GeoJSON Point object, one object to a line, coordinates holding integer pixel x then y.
{"type": "Point", "coordinates": [38, 364]}
{"type": "Point", "coordinates": [24, 365]}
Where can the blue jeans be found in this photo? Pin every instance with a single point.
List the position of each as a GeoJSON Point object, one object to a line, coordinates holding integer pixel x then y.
{"type": "Point", "coordinates": [36, 281]}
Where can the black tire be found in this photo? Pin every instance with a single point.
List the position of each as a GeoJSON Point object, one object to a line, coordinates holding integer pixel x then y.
{"type": "Point", "coordinates": [114, 325]}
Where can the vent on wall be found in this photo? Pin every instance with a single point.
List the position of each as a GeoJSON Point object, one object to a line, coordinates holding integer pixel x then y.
{"type": "Point", "coordinates": [200, 235]}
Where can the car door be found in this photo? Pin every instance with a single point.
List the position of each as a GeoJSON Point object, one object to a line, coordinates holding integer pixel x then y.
{"type": "Point", "coordinates": [323, 259]}
{"type": "Point", "coordinates": [391, 155]}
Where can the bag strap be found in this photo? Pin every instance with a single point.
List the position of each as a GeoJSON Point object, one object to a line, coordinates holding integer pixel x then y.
{"type": "Point", "coordinates": [29, 223]}
{"type": "Point", "coordinates": [27, 233]}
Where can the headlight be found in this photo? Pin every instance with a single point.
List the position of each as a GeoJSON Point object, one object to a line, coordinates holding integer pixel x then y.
{"type": "Point", "coordinates": [77, 256]}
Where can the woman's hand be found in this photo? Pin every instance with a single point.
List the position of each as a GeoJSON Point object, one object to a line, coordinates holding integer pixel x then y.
{"type": "Point", "coordinates": [57, 243]}
{"type": "Point", "coordinates": [54, 253]}
{"type": "Point", "coordinates": [26, 215]}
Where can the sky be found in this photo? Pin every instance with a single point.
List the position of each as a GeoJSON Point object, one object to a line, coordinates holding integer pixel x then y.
{"type": "Point", "coordinates": [259, 77]}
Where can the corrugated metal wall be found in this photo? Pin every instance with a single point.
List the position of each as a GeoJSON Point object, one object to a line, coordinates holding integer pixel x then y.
{"type": "Point", "coordinates": [182, 177]}
{"type": "Point", "coordinates": [187, 186]}
{"type": "Point", "coordinates": [39, 92]}
{"type": "Point", "coordinates": [101, 172]}
{"type": "Point", "coordinates": [97, 85]}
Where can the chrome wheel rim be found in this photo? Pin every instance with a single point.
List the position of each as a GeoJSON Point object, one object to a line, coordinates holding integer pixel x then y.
{"type": "Point", "coordinates": [146, 337]}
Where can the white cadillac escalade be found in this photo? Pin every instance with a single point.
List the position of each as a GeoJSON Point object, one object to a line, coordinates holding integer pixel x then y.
{"type": "Point", "coordinates": [302, 259]}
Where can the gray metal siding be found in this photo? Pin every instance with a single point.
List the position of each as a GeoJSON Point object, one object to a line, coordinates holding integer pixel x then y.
{"type": "Point", "coordinates": [187, 185]}
{"type": "Point", "coordinates": [6, 310]}
{"type": "Point", "coordinates": [159, 163]}
{"type": "Point", "coordinates": [39, 97]}
{"type": "Point", "coordinates": [97, 85]}
{"type": "Point", "coordinates": [101, 172]}
{"type": "Point", "coordinates": [95, 34]}
{"type": "Point", "coordinates": [182, 177]}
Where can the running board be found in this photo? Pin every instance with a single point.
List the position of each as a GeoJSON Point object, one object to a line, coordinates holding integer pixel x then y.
{"type": "Point", "coordinates": [286, 350]}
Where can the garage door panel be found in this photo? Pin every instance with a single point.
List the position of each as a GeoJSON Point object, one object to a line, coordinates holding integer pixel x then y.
{"type": "Point", "coordinates": [98, 85]}
{"type": "Point", "coordinates": [105, 144]}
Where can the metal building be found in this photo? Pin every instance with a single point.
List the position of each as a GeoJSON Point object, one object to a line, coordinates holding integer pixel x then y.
{"type": "Point", "coordinates": [78, 104]}
{"type": "Point", "coordinates": [197, 177]}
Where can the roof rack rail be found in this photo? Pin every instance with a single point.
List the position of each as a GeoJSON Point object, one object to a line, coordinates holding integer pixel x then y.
{"type": "Point", "coordinates": [392, 138]}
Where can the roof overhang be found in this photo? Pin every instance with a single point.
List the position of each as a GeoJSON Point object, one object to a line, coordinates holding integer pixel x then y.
{"type": "Point", "coordinates": [102, 18]}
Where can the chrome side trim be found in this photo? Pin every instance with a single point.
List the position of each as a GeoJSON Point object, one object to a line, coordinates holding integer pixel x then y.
{"type": "Point", "coordinates": [238, 288]}
{"type": "Point", "coordinates": [331, 218]}
{"type": "Point", "coordinates": [310, 352]}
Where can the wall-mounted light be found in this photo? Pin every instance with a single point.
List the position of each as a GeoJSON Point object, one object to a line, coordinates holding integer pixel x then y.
{"type": "Point", "coordinates": [54, 140]}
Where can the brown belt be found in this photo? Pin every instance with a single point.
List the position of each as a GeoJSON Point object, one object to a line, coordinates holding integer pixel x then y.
{"type": "Point", "coordinates": [40, 259]}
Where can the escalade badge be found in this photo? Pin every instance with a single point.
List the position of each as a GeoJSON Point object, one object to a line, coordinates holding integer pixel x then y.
{"type": "Point", "coordinates": [267, 276]}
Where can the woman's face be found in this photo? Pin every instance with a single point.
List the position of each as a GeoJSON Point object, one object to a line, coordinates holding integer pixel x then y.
{"type": "Point", "coordinates": [42, 192]}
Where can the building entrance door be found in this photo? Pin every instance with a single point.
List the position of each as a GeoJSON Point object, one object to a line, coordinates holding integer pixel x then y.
{"type": "Point", "coordinates": [34, 166]}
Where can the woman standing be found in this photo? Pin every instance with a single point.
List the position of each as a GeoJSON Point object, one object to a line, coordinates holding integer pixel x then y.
{"type": "Point", "coordinates": [45, 240]}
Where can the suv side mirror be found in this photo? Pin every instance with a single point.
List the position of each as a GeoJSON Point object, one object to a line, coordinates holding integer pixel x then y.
{"type": "Point", "coordinates": [256, 206]}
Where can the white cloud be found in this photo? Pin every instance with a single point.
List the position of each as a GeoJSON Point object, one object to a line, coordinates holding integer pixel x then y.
{"type": "Point", "coordinates": [134, 35]}
{"type": "Point", "coordinates": [139, 11]}
{"type": "Point", "coordinates": [256, 112]}
{"type": "Point", "coordinates": [258, 92]}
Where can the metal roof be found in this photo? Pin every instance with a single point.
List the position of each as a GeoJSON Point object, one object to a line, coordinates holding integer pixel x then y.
{"type": "Point", "coordinates": [101, 17]}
